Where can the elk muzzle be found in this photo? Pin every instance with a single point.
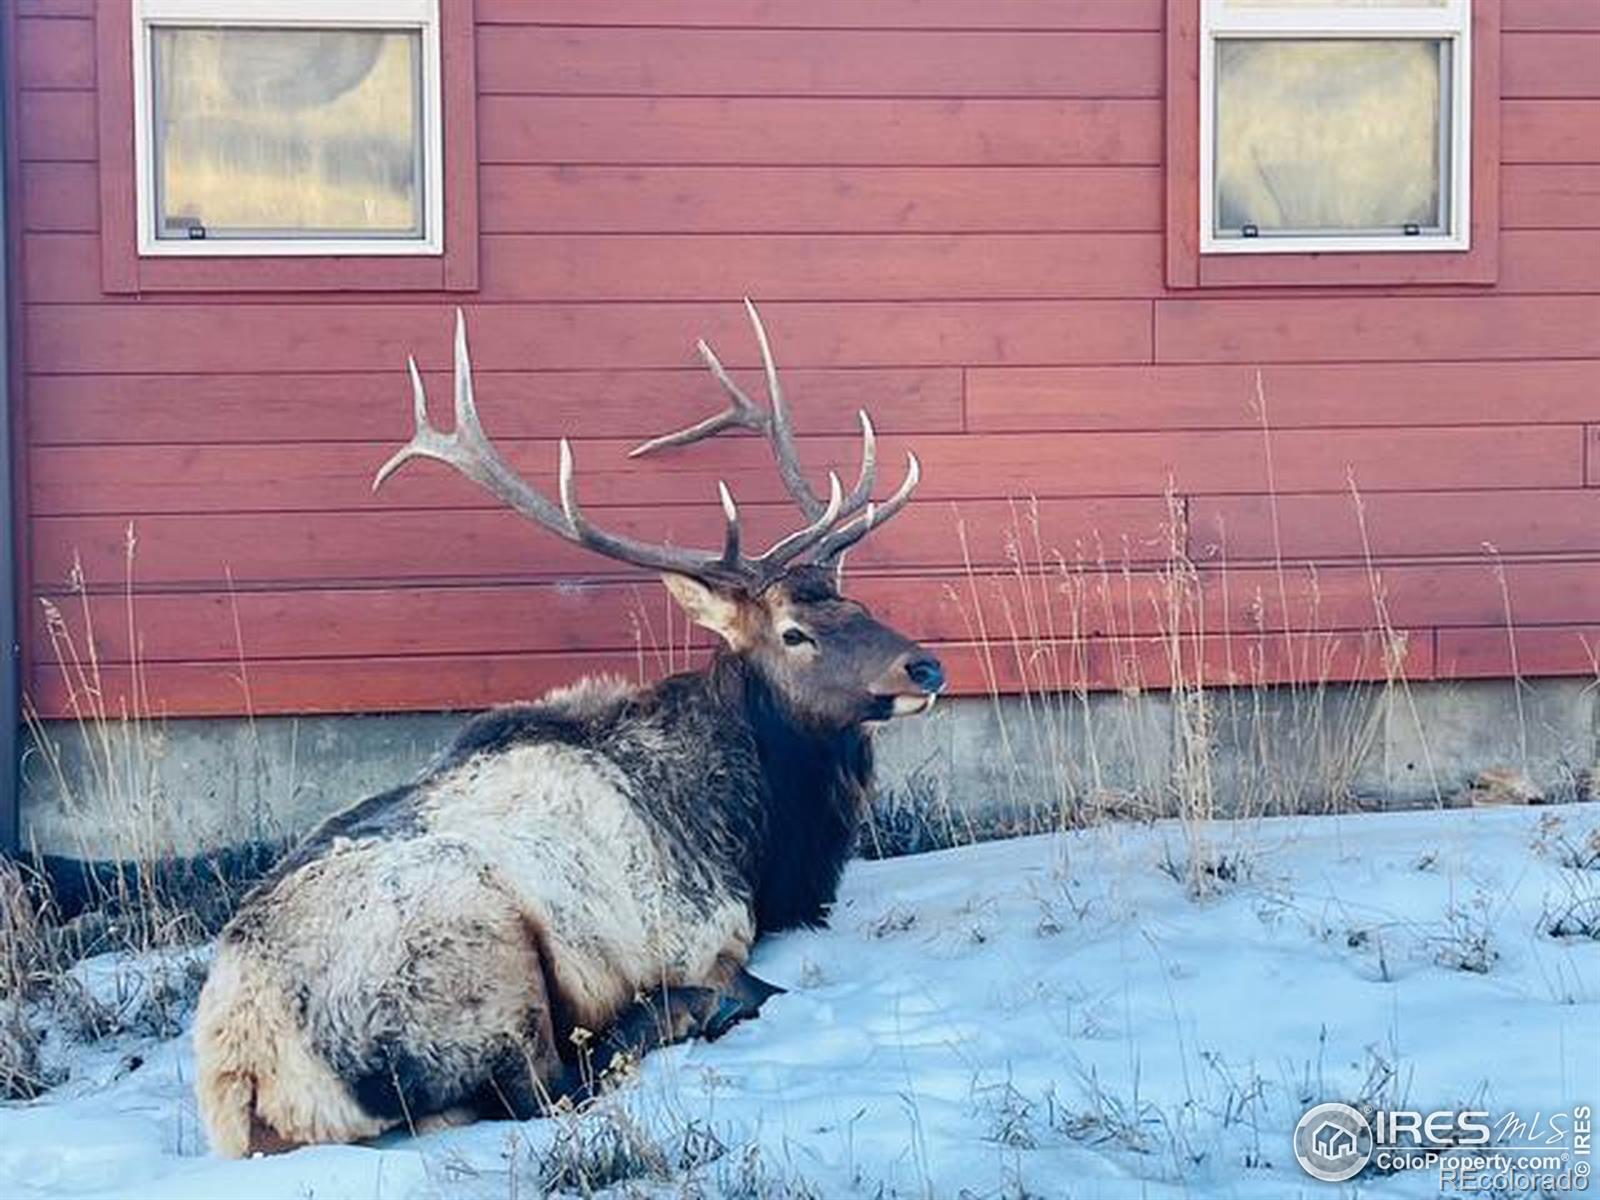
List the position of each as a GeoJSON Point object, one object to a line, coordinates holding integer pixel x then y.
{"type": "Point", "coordinates": [912, 684]}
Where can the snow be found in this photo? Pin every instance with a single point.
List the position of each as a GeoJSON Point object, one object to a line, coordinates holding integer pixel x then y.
{"type": "Point", "coordinates": [1052, 1016]}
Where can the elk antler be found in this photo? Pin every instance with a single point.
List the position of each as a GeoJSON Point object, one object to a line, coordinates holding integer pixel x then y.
{"type": "Point", "coordinates": [832, 525]}
{"type": "Point", "coordinates": [857, 515]}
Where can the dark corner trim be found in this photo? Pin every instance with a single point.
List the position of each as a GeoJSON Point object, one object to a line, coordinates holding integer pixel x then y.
{"type": "Point", "coordinates": [10, 650]}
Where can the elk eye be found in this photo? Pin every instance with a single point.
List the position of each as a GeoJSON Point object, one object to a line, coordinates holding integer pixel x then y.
{"type": "Point", "coordinates": [795, 636]}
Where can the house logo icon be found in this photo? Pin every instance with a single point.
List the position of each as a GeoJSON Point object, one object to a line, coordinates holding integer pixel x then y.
{"type": "Point", "coordinates": [1333, 1142]}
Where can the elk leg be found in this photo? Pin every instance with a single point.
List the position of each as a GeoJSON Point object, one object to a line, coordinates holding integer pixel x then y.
{"type": "Point", "coordinates": [662, 1018]}
{"type": "Point", "coordinates": [750, 993]}
{"type": "Point", "coordinates": [676, 1014]}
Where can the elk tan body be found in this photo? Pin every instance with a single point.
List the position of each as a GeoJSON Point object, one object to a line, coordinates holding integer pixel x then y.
{"type": "Point", "coordinates": [429, 952]}
{"type": "Point", "coordinates": [527, 870]}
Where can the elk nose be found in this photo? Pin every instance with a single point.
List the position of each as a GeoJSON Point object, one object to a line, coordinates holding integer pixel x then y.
{"type": "Point", "coordinates": [926, 673]}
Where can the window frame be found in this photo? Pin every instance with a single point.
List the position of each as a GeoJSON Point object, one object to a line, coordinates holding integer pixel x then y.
{"type": "Point", "coordinates": [421, 16]}
{"type": "Point", "coordinates": [1450, 23]}
{"type": "Point", "coordinates": [1188, 268]}
{"type": "Point", "coordinates": [233, 267]}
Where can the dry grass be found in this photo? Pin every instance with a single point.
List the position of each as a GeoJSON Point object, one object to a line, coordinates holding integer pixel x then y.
{"type": "Point", "coordinates": [133, 900]}
{"type": "Point", "coordinates": [610, 1148]}
{"type": "Point", "coordinates": [26, 959]}
{"type": "Point", "coordinates": [1096, 718]}
{"type": "Point", "coordinates": [113, 788]}
{"type": "Point", "coordinates": [1132, 682]}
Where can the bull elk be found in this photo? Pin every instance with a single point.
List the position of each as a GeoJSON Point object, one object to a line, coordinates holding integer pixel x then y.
{"type": "Point", "coordinates": [601, 859]}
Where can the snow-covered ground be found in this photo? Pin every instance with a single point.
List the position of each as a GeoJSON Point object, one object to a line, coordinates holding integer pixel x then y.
{"type": "Point", "coordinates": [1047, 1017]}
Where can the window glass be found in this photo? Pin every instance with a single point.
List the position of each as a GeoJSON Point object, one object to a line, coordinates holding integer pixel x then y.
{"type": "Point", "coordinates": [1330, 135]}
{"type": "Point", "coordinates": [266, 132]}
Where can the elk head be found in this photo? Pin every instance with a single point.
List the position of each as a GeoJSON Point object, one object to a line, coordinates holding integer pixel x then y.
{"type": "Point", "coordinates": [780, 610]}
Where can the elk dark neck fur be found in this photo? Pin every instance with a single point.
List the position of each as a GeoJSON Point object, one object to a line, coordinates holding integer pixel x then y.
{"type": "Point", "coordinates": [813, 784]}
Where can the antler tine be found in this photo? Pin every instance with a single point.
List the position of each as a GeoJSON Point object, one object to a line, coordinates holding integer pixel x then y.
{"type": "Point", "coordinates": [848, 534]}
{"type": "Point", "coordinates": [426, 441]}
{"type": "Point", "coordinates": [466, 406]}
{"type": "Point", "coordinates": [645, 554]}
{"type": "Point", "coordinates": [862, 492]}
{"type": "Point", "coordinates": [741, 412]}
{"type": "Point", "coordinates": [730, 511]}
{"type": "Point", "coordinates": [466, 447]}
{"type": "Point", "coordinates": [779, 432]}
{"type": "Point", "coordinates": [786, 549]}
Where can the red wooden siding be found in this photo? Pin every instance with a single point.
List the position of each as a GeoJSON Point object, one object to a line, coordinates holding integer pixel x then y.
{"type": "Point", "coordinates": [953, 212]}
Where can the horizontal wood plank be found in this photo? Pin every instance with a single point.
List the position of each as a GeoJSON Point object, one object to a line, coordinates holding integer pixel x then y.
{"type": "Point", "coordinates": [314, 686]}
{"type": "Point", "coordinates": [1491, 654]}
{"type": "Point", "coordinates": [356, 548]}
{"type": "Point", "coordinates": [54, 52]}
{"type": "Point", "coordinates": [65, 267]}
{"type": "Point", "coordinates": [55, 8]}
{"type": "Point", "coordinates": [185, 338]}
{"type": "Point", "coordinates": [478, 681]}
{"type": "Point", "coordinates": [619, 61]}
{"type": "Point", "coordinates": [1551, 197]}
{"type": "Point", "coordinates": [336, 477]}
{"type": "Point", "coordinates": [1312, 597]}
{"type": "Point", "coordinates": [596, 615]}
{"type": "Point", "coordinates": [808, 130]}
{"type": "Point", "coordinates": [779, 199]}
{"type": "Point", "coordinates": [1546, 261]}
{"type": "Point", "coordinates": [1549, 131]}
{"type": "Point", "coordinates": [1549, 65]}
{"type": "Point", "coordinates": [1560, 16]}
{"type": "Point", "coordinates": [56, 126]}
{"type": "Point", "coordinates": [831, 14]}
{"type": "Point", "coordinates": [1376, 328]}
{"type": "Point", "coordinates": [60, 197]}
{"type": "Point", "coordinates": [1046, 610]}
{"type": "Point", "coordinates": [1396, 525]}
{"type": "Point", "coordinates": [1293, 396]}
{"type": "Point", "coordinates": [828, 267]}
{"type": "Point", "coordinates": [291, 407]}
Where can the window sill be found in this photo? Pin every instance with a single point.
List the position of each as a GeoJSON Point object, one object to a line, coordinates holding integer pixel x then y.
{"type": "Point", "coordinates": [1279, 246]}
{"type": "Point", "coordinates": [282, 273]}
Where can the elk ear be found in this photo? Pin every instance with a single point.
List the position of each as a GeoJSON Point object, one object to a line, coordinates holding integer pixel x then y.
{"type": "Point", "coordinates": [712, 608]}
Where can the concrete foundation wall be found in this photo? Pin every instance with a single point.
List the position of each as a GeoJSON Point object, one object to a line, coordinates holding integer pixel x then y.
{"type": "Point", "coordinates": [973, 767]}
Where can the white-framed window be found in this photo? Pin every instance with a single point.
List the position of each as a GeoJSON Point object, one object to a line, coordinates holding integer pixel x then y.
{"type": "Point", "coordinates": [287, 127]}
{"type": "Point", "coordinates": [1335, 125]}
